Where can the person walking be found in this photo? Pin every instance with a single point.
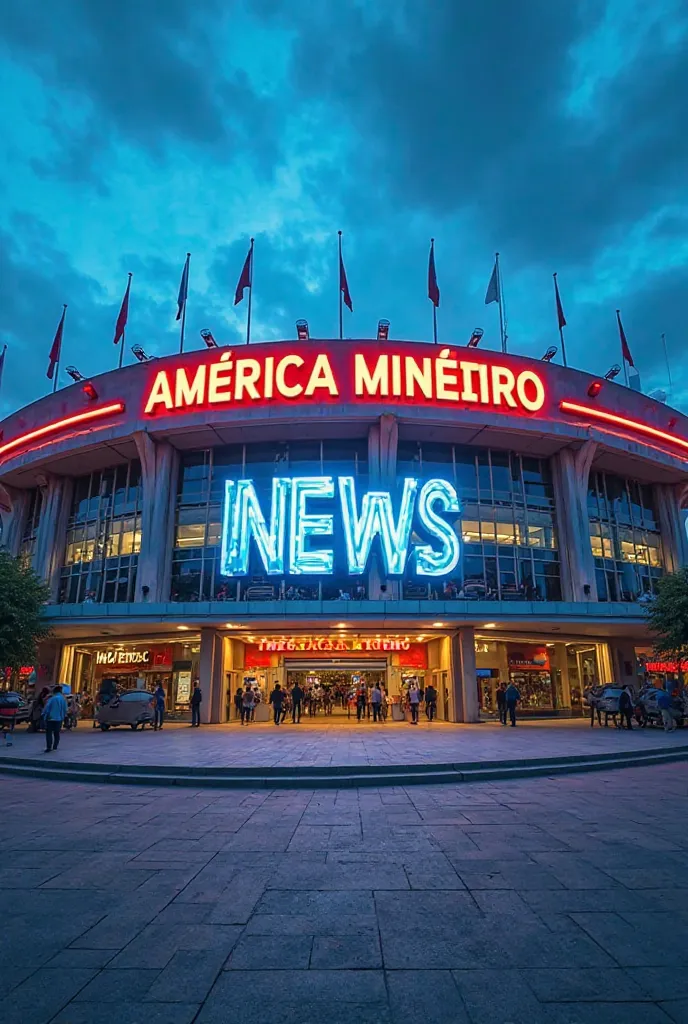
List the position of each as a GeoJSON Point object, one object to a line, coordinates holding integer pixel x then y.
{"type": "Point", "coordinates": [594, 708]}
{"type": "Point", "coordinates": [247, 705]}
{"type": "Point", "coordinates": [238, 704]}
{"type": "Point", "coordinates": [159, 697]}
{"type": "Point", "coordinates": [626, 707]}
{"type": "Point", "coordinates": [361, 701]}
{"type": "Point", "coordinates": [296, 702]}
{"type": "Point", "coordinates": [196, 698]}
{"type": "Point", "coordinates": [512, 696]}
{"type": "Point", "coordinates": [414, 702]}
{"type": "Point", "coordinates": [54, 713]}
{"type": "Point", "coordinates": [501, 703]}
{"type": "Point", "coordinates": [664, 705]}
{"type": "Point", "coordinates": [376, 702]}
{"type": "Point", "coordinates": [430, 702]}
{"type": "Point", "coordinates": [277, 699]}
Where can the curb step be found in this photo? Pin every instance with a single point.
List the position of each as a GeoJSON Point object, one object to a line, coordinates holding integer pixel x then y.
{"type": "Point", "coordinates": [339, 777]}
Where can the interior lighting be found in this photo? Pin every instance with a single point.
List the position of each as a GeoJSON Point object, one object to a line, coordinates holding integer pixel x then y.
{"type": "Point", "coordinates": [619, 421]}
{"type": "Point", "coordinates": [57, 425]}
{"type": "Point", "coordinates": [230, 625]}
{"type": "Point", "coordinates": [382, 330]}
{"type": "Point", "coordinates": [490, 625]}
{"type": "Point", "coordinates": [421, 637]}
{"type": "Point", "coordinates": [302, 332]}
{"type": "Point", "coordinates": [340, 625]}
{"type": "Point", "coordinates": [182, 627]}
{"type": "Point", "coordinates": [438, 625]}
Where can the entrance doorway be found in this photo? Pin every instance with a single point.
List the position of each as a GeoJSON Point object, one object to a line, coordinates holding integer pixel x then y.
{"type": "Point", "coordinates": [332, 691]}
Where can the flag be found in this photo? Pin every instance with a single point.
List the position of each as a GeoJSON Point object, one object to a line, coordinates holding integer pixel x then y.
{"type": "Point", "coordinates": [433, 287]}
{"type": "Point", "coordinates": [492, 293]}
{"type": "Point", "coordinates": [57, 347]}
{"type": "Point", "coordinates": [560, 310]}
{"type": "Point", "coordinates": [246, 275]}
{"type": "Point", "coordinates": [344, 284]}
{"type": "Point", "coordinates": [625, 350]}
{"type": "Point", "coordinates": [123, 314]}
{"type": "Point", "coordinates": [2, 364]}
{"type": "Point", "coordinates": [183, 288]}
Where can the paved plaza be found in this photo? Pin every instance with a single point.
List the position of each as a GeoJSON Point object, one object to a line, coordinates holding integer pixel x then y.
{"type": "Point", "coordinates": [338, 741]}
{"type": "Point", "coordinates": [541, 901]}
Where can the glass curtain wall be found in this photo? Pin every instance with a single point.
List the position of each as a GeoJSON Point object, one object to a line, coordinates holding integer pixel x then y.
{"type": "Point", "coordinates": [507, 523]}
{"type": "Point", "coordinates": [103, 537]}
{"type": "Point", "coordinates": [625, 538]}
{"type": "Point", "coordinates": [33, 519]}
{"type": "Point", "coordinates": [200, 495]}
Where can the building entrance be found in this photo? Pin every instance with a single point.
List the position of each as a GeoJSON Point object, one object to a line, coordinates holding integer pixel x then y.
{"type": "Point", "coordinates": [335, 691]}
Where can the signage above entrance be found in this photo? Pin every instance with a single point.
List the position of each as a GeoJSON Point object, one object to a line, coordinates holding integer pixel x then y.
{"type": "Point", "coordinates": [113, 657]}
{"type": "Point", "coordinates": [346, 373]}
{"type": "Point", "coordinates": [285, 543]}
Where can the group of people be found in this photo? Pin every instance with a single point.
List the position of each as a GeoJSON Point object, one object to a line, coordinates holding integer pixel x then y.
{"type": "Point", "coordinates": [508, 697]}
{"type": "Point", "coordinates": [630, 709]}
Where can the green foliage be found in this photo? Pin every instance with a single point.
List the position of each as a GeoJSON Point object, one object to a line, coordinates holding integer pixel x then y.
{"type": "Point", "coordinates": [22, 596]}
{"type": "Point", "coordinates": [668, 615]}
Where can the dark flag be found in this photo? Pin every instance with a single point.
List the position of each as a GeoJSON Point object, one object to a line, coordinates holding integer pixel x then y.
{"type": "Point", "coordinates": [57, 346]}
{"type": "Point", "coordinates": [492, 293]}
{"type": "Point", "coordinates": [433, 287]}
{"type": "Point", "coordinates": [183, 288]}
{"type": "Point", "coordinates": [344, 284]}
{"type": "Point", "coordinates": [560, 309]}
{"type": "Point", "coordinates": [2, 364]}
{"type": "Point", "coordinates": [123, 315]}
{"type": "Point", "coordinates": [246, 274]}
{"type": "Point", "coordinates": [625, 350]}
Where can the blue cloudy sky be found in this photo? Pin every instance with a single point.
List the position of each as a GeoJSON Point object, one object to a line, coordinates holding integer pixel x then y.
{"type": "Point", "coordinates": [555, 132]}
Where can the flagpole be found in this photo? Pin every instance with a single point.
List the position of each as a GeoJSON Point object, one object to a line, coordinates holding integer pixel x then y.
{"type": "Point", "coordinates": [56, 374]}
{"type": "Point", "coordinates": [339, 275]}
{"type": "Point", "coordinates": [621, 337]}
{"type": "Point", "coordinates": [561, 329]}
{"type": "Point", "coordinates": [501, 309]}
{"type": "Point", "coordinates": [250, 297]}
{"type": "Point", "coordinates": [666, 357]}
{"type": "Point", "coordinates": [181, 337]}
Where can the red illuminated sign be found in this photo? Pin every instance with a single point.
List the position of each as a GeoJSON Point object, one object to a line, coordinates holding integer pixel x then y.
{"type": "Point", "coordinates": [636, 426]}
{"type": "Point", "coordinates": [312, 373]}
{"type": "Point", "coordinates": [58, 426]}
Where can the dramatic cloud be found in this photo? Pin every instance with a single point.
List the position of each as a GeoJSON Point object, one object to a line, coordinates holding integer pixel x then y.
{"type": "Point", "coordinates": [552, 132]}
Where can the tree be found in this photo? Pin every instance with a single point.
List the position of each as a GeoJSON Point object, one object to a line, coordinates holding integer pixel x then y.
{"type": "Point", "coordinates": [22, 596]}
{"type": "Point", "coordinates": [668, 616]}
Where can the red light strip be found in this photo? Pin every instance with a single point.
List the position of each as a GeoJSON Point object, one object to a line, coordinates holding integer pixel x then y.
{"type": "Point", "coordinates": [621, 421]}
{"type": "Point", "coordinates": [58, 425]}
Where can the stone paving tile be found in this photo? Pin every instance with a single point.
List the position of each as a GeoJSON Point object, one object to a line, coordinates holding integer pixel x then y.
{"type": "Point", "coordinates": [500, 996]}
{"type": "Point", "coordinates": [127, 1013]}
{"type": "Point", "coordinates": [427, 996]}
{"type": "Point", "coordinates": [45, 993]}
{"type": "Point", "coordinates": [118, 986]}
{"type": "Point", "coordinates": [567, 985]}
{"type": "Point", "coordinates": [676, 1011]}
{"type": "Point", "coordinates": [270, 952]}
{"type": "Point", "coordinates": [188, 976]}
{"type": "Point", "coordinates": [346, 951]}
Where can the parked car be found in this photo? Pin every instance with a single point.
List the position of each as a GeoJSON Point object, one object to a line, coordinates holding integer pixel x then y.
{"type": "Point", "coordinates": [133, 708]}
{"type": "Point", "coordinates": [650, 713]}
{"type": "Point", "coordinates": [14, 707]}
{"type": "Point", "coordinates": [608, 699]}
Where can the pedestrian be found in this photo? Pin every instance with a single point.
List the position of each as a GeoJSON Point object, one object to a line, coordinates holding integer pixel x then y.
{"type": "Point", "coordinates": [247, 705]}
{"type": "Point", "coordinates": [286, 704]}
{"type": "Point", "coordinates": [196, 698]}
{"type": "Point", "coordinates": [501, 702]}
{"type": "Point", "coordinates": [361, 701]}
{"type": "Point", "coordinates": [276, 699]}
{"type": "Point", "coordinates": [238, 704]}
{"type": "Point", "coordinates": [36, 718]}
{"type": "Point", "coordinates": [296, 702]}
{"type": "Point", "coordinates": [54, 714]}
{"type": "Point", "coordinates": [594, 708]}
{"type": "Point", "coordinates": [626, 707]}
{"type": "Point", "coordinates": [512, 696]}
{"type": "Point", "coordinates": [159, 697]}
{"type": "Point", "coordinates": [664, 705]}
{"type": "Point", "coordinates": [414, 702]}
{"type": "Point", "coordinates": [430, 701]}
{"type": "Point", "coordinates": [376, 702]}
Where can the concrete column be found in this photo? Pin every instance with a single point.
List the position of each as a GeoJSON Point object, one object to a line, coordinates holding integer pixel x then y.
{"type": "Point", "coordinates": [559, 661]}
{"type": "Point", "coordinates": [50, 539]}
{"type": "Point", "coordinates": [383, 438]}
{"type": "Point", "coordinates": [623, 662]}
{"type": "Point", "coordinates": [211, 663]}
{"type": "Point", "coordinates": [570, 473]}
{"type": "Point", "coordinates": [14, 508]}
{"type": "Point", "coordinates": [463, 685]}
{"type": "Point", "coordinates": [670, 501]}
{"type": "Point", "coordinates": [159, 466]}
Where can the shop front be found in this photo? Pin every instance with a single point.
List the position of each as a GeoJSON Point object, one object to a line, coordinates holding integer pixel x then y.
{"type": "Point", "coordinates": [91, 669]}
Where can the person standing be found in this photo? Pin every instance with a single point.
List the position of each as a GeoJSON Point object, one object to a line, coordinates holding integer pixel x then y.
{"type": "Point", "coordinates": [238, 704]}
{"type": "Point", "coordinates": [664, 705]}
{"type": "Point", "coordinates": [196, 698]}
{"type": "Point", "coordinates": [247, 705]}
{"type": "Point", "coordinates": [430, 702]}
{"type": "Point", "coordinates": [501, 703]}
{"type": "Point", "coordinates": [277, 699]}
{"type": "Point", "coordinates": [159, 697]}
{"type": "Point", "coordinates": [296, 702]}
{"type": "Point", "coordinates": [626, 707]}
{"type": "Point", "coordinates": [512, 696]}
{"type": "Point", "coordinates": [376, 702]}
{"type": "Point", "coordinates": [414, 702]}
{"type": "Point", "coordinates": [361, 700]}
{"type": "Point", "coordinates": [54, 713]}
{"type": "Point", "coordinates": [594, 708]}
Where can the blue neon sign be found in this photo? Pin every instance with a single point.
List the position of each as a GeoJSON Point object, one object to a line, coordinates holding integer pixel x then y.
{"type": "Point", "coordinates": [287, 543]}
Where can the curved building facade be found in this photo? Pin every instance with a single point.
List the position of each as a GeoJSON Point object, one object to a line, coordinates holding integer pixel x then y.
{"type": "Point", "coordinates": [335, 510]}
